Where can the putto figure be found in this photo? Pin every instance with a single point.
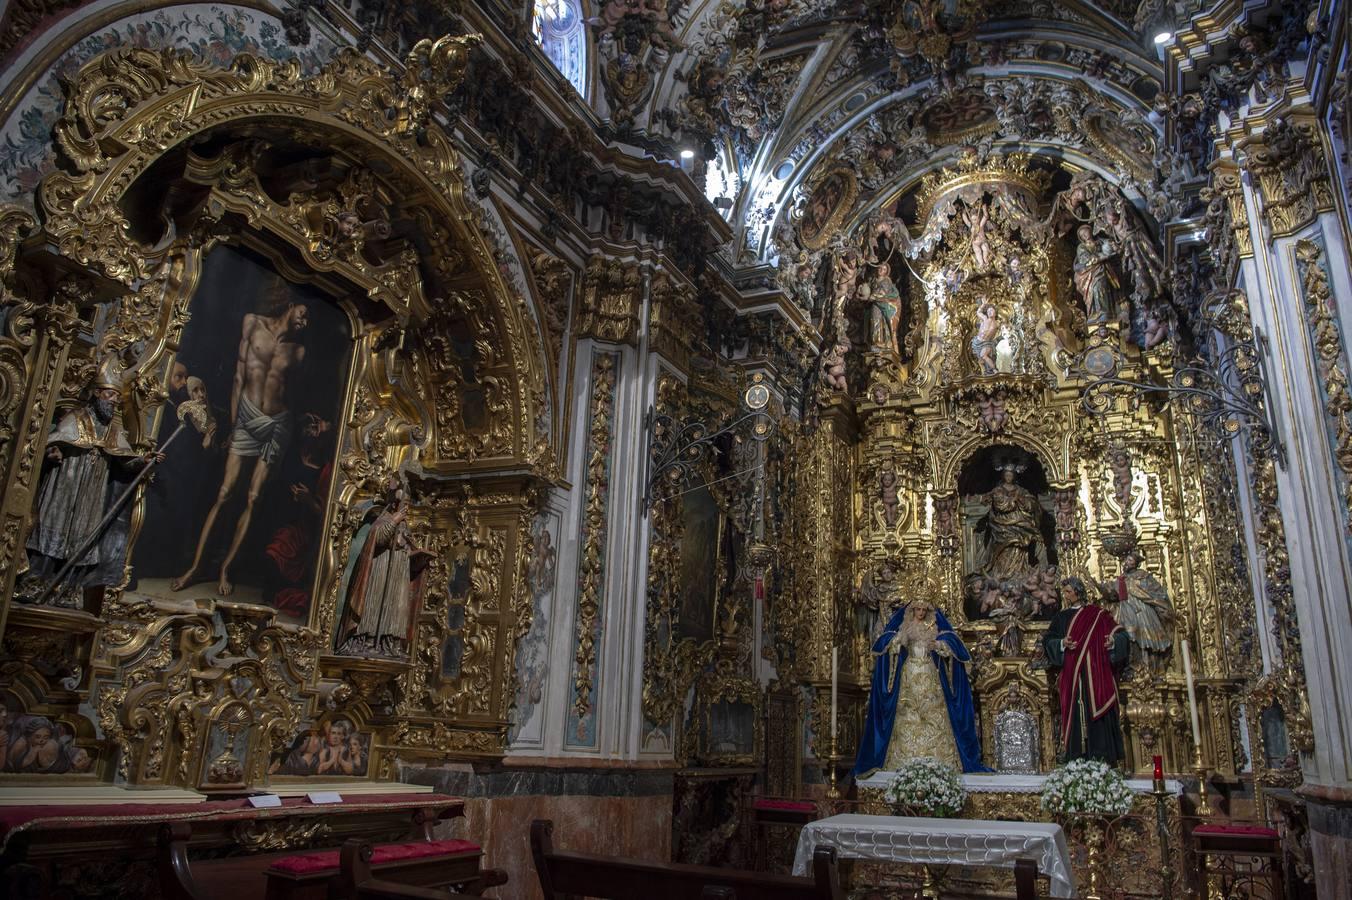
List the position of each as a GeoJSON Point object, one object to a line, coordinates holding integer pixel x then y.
{"type": "Point", "coordinates": [270, 351]}
{"type": "Point", "coordinates": [920, 703]}
{"type": "Point", "coordinates": [90, 464]}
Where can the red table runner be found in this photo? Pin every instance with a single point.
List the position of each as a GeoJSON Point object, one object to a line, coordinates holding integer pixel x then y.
{"type": "Point", "coordinates": [14, 819]}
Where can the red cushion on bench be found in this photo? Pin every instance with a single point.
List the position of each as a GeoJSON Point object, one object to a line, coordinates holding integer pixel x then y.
{"type": "Point", "coordinates": [1237, 830]}
{"type": "Point", "coordinates": [787, 805]}
{"type": "Point", "coordinates": [309, 863]}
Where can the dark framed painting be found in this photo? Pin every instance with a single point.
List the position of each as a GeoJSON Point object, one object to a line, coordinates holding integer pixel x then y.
{"type": "Point", "coordinates": [256, 393]}
{"type": "Point", "coordinates": [730, 728]}
{"type": "Point", "coordinates": [702, 527]}
{"type": "Point", "coordinates": [826, 205]}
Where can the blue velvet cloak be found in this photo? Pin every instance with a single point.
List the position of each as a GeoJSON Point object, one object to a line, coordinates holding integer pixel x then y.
{"type": "Point", "coordinates": [882, 703]}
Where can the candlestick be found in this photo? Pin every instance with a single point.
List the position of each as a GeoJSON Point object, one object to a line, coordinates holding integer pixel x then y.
{"type": "Point", "coordinates": [1159, 768]}
{"type": "Point", "coordinates": [835, 678]}
{"type": "Point", "coordinates": [1162, 801]}
{"type": "Point", "coordinates": [1192, 699]}
{"type": "Point", "coordinates": [1203, 802]}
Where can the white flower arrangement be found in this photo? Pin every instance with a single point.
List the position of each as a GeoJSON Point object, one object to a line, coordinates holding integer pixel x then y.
{"type": "Point", "coordinates": [927, 787]}
{"type": "Point", "coordinates": [1086, 786]}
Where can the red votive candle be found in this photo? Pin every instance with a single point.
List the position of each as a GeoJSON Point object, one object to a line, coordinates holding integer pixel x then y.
{"type": "Point", "coordinates": [1159, 768]}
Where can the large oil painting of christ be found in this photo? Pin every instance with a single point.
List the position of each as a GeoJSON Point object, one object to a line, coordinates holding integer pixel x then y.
{"type": "Point", "coordinates": [237, 508]}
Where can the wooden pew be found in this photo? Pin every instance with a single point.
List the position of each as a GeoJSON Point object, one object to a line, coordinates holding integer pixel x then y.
{"type": "Point", "coordinates": [428, 865]}
{"type": "Point", "coordinates": [357, 882]}
{"type": "Point", "coordinates": [564, 873]}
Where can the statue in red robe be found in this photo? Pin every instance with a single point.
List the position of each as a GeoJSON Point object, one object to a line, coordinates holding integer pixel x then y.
{"type": "Point", "coordinates": [1087, 645]}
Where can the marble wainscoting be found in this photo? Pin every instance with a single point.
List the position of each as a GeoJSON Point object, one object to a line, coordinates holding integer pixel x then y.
{"type": "Point", "coordinates": [619, 812]}
{"type": "Point", "coordinates": [1330, 816]}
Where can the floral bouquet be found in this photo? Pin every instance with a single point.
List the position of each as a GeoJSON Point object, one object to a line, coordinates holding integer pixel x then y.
{"type": "Point", "coordinates": [927, 787]}
{"type": "Point", "coordinates": [1086, 786]}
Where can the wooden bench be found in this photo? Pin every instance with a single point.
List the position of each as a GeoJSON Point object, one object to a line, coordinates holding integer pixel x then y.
{"type": "Point", "coordinates": [357, 881]}
{"type": "Point", "coordinates": [317, 875]}
{"type": "Point", "coordinates": [564, 873]}
{"type": "Point", "coordinates": [41, 844]}
{"type": "Point", "coordinates": [306, 876]}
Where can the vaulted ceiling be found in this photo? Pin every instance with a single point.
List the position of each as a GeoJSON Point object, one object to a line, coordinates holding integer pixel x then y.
{"type": "Point", "coordinates": [778, 93]}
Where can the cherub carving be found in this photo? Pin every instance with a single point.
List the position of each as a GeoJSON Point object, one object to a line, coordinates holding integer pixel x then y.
{"type": "Point", "coordinates": [1119, 463]}
{"type": "Point", "coordinates": [887, 497]}
{"type": "Point", "coordinates": [993, 411]}
{"type": "Point", "coordinates": [977, 219]}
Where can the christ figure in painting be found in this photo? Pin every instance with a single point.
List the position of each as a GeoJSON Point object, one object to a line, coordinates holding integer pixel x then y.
{"type": "Point", "coordinates": [270, 350]}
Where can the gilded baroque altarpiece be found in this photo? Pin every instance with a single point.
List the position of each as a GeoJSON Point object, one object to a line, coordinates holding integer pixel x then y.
{"type": "Point", "coordinates": [981, 322]}
{"type": "Point", "coordinates": [368, 606]}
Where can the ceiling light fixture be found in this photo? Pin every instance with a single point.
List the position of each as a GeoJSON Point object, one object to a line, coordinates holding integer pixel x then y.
{"type": "Point", "coordinates": [687, 154]}
{"type": "Point", "coordinates": [1164, 37]}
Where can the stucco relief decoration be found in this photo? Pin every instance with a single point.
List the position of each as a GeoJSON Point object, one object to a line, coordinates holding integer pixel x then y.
{"type": "Point", "coordinates": [635, 37]}
{"type": "Point", "coordinates": [737, 88]}
{"type": "Point", "coordinates": [1330, 351]}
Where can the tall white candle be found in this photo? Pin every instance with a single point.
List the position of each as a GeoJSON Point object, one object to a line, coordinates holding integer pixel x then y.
{"type": "Point", "coordinates": [1192, 698]}
{"type": "Point", "coordinates": [835, 677]}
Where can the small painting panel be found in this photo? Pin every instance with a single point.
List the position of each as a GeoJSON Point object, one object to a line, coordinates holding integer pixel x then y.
{"type": "Point", "coordinates": [333, 748]}
{"type": "Point", "coordinates": [225, 765]}
{"type": "Point", "coordinates": [38, 745]}
{"type": "Point", "coordinates": [828, 203]}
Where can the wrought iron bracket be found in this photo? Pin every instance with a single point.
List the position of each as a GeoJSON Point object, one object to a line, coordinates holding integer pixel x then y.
{"type": "Point", "coordinates": [1225, 395]}
{"type": "Point", "coordinates": [676, 448]}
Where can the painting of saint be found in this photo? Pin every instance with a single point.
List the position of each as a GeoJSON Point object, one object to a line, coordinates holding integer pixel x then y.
{"type": "Point", "coordinates": [332, 749]}
{"type": "Point", "coordinates": [827, 205]}
{"type": "Point", "coordinates": [240, 509]}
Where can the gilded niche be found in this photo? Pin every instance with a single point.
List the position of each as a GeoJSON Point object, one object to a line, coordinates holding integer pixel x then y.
{"type": "Point", "coordinates": [268, 432]}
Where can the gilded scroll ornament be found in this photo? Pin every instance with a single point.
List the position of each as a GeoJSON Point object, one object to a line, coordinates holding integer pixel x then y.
{"type": "Point", "coordinates": [595, 509]}
{"type": "Point", "coordinates": [610, 301]}
{"type": "Point", "coordinates": [1287, 160]}
{"type": "Point", "coordinates": [1330, 356]}
{"type": "Point", "coordinates": [170, 688]}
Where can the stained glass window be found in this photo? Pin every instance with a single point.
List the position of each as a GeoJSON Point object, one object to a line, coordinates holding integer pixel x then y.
{"type": "Point", "coordinates": [559, 31]}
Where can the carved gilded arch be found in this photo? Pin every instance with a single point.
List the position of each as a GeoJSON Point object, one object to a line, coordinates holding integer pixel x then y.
{"type": "Point", "coordinates": [128, 108]}
{"type": "Point", "coordinates": [343, 182]}
{"type": "Point", "coordinates": [1050, 451]}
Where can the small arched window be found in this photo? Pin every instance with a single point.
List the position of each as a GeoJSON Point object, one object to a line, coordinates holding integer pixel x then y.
{"type": "Point", "coordinates": [560, 32]}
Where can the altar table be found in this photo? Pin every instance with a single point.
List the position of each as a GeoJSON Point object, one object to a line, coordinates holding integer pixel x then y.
{"type": "Point", "coordinates": [111, 850]}
{"type": "Point", "coordinates": [962, 842]}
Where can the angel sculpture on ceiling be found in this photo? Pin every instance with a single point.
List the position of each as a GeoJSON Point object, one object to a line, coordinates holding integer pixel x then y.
{"type": "Point", "coordinates": [933, 29]}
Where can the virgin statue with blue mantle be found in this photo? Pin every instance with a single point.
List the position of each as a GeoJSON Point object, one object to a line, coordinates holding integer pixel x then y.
{"type": "Point", "coordinates": [920, 703]}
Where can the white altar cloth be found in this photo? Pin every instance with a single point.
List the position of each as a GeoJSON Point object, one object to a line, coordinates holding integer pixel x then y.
{"type": "Point", "coordinates": [969, 842]}
{"type": "Point", "coordinates": [982, 783]}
